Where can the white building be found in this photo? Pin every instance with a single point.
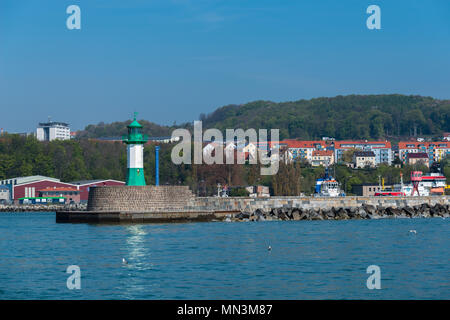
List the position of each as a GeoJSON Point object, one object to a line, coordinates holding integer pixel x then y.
{"type": "Point", "coordinates": [53, 131]}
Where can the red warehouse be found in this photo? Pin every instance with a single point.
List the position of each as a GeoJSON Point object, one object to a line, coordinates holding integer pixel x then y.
{"type": "Point", "coordinates": [84, 186]}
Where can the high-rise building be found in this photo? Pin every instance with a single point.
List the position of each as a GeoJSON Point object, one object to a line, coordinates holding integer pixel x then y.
{"type": "Point", "coordinates": [50, 131]}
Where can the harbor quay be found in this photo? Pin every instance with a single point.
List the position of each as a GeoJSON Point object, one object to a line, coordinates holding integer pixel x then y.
{"type": "Point", "coordinates": [178, 203]}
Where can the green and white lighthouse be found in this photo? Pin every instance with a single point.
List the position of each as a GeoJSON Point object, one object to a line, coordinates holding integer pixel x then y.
{"type": "Point", "coordinates": [135, 153]}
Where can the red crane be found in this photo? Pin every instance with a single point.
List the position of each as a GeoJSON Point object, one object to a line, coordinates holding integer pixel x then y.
{"type": "Point", "coordinates": [416, 177]}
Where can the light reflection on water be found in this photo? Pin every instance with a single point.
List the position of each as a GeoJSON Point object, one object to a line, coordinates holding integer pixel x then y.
{"type": "Point", "coordinates": [309, 259]}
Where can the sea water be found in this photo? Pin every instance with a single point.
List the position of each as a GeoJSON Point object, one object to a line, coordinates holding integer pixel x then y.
{"type": "Point", "coordinates": [220, 260]}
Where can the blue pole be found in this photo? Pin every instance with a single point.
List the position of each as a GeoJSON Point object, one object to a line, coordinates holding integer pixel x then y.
{"type": "Point", "coordinates": [157, 165]}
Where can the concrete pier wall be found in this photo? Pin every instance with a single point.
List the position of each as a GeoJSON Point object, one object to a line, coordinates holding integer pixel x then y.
{"type": "Point", "coordinates": [180, 198]}
{"type": "Point", "coordinates": [307, 203]}
{"type": "Point", "coordinates": [177, 203]}
{"type": "Point", "coordinates": [140, 199]}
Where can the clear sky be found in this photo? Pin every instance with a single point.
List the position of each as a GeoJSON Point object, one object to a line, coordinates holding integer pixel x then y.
{"type": "Point", "coordinates": [171, 60]}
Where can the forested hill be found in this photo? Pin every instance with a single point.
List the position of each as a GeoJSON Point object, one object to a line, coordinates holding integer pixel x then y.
{"type": "Point", "coordinates": [118, 129]}
{"type": "Point", "coordinates": [342, 117]}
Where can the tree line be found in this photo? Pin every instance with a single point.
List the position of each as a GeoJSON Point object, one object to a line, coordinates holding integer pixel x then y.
{"type": "Point", "coordinates": [343, 117]}
{"type": "Point", "coordinates": [88, 159]}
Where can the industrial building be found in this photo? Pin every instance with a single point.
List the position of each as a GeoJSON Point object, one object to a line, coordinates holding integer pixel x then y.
{"type": "Point", "coordinates": [83, 186]}
{"type": "Point", "coordinates": [366, 189]}
{"type": "Point", "coordinates": [38, 186]}
{"type": "Point", "coordinates": [4, 194]}
{"type": "Point", "coordinates": [71, 195]}
{"type": "Point", "coordinates": [49, 131]}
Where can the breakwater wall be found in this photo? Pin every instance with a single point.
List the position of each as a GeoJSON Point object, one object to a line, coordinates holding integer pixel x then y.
{"type": "Point", "coordinates": [41, 207]}
{"type": "Point", "coordinates": [140, 198]}
{"type": "Point", "coordinates": [343, 209]}
{"type": "Point", "coordinates": [311, 203]}
{"type": "Point", "coordinates": [295, 208]}
{"type": "Point", "coordinates": [175, 203]}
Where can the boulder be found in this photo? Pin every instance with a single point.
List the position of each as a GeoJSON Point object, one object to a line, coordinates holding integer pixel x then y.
{"type": "Point", "coordinates": [329, 213]}
{"type": "Point", "coordinates": [316, 216]}
{"type": "Point", "coordinates": [409, 211]}
{"type": "Point", "coordinates": [296, 215]}
{"type": "Point", "coordinates": [304, 215]}
{"type": "Point", "coordinates": [341, 214]}
{"type": "Point", "coordinates": [288, 213]}
{"type": "Point", "coordinates": [393, 211]}
{"type": "Point", "coordinates": [369, 209]}
{"type": "Point", "coordinates": [362, 213]}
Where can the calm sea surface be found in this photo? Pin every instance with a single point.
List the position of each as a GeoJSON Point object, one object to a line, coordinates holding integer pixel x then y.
{"type": "Point", "coordinates": [308, 260]}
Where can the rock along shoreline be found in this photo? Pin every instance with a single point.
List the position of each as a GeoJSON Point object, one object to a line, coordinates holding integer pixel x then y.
{"type": "Point", "coordinates": [41, 208]}
{"type": "Point", "coordinates": [350, 213]}
{"type": "Point", "coordinates": [365, 211]}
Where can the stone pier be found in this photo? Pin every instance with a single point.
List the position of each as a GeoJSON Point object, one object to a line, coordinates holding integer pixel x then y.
{"type": "Point", "coordinates": [178, 203]}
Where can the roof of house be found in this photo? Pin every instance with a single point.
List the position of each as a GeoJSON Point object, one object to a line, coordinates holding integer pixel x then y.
{"type": "Point", "coordinates": [418, 155]}
{"type": "Point", "coordinates": [364, 154]}
{"type": "Point", "coordinates": [347, 144]}
{"type": "Point", "coordinates": [85, 182]}
{"type": "Point", "coordinates": [291, 143]}
{"type": "Point", "coordinates": [24, 180]}
{"type": "Point", "coordinates": [418, 144]}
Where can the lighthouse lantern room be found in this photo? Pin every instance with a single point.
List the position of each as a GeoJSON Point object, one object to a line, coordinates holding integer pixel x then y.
{"type": "Point", "coordinates": [135, 153]}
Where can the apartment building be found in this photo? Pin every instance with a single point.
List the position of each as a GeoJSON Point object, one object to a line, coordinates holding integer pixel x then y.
{"type": "Point", "coordinates": [381, 149]}
{"type": "Point", "coordinates": [436, 151]}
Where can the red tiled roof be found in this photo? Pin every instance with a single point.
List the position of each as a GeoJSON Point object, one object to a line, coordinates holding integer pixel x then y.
{"type": "Point", "coordinates": [403, 144]}
{"type": "Point", "coordinates": [383, 144]}
{"type": "Point", "coordinates": [291, 143]}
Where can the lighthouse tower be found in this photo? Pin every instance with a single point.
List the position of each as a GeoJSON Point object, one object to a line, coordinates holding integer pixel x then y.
{"type": "Point", "coordinates": [135, 152]}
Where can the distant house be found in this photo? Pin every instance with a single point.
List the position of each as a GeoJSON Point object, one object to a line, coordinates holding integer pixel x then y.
{"type": "Point", "coordinates": [362, 159]}
{"type": "Point", "coordinates": [418, 158]}
{"type": "Point", "coordinates": [5, 194]}
{"type": "Point", "coordinates": [303, 150]}
{"type": "Point", "coordinates": [258, 150]}
{"type": "Point", "coordinates": [436, 150]}
{"type": "Point", "coordinates": [366, 189]}
{"type": "Point", "coordinates": [250, 151]}
{"type": "Point", "coordinates": [381, 149]}
{"type": "Point", "coordinates": [258, 191]}
{"type": "Point", "coordinates": [322, 158]}
{"type": "Point", "coordinates": [446, 136]}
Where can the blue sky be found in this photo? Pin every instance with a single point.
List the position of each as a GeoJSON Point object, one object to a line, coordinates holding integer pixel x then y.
{"type": "Point", "coordinates": [171, 60]}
